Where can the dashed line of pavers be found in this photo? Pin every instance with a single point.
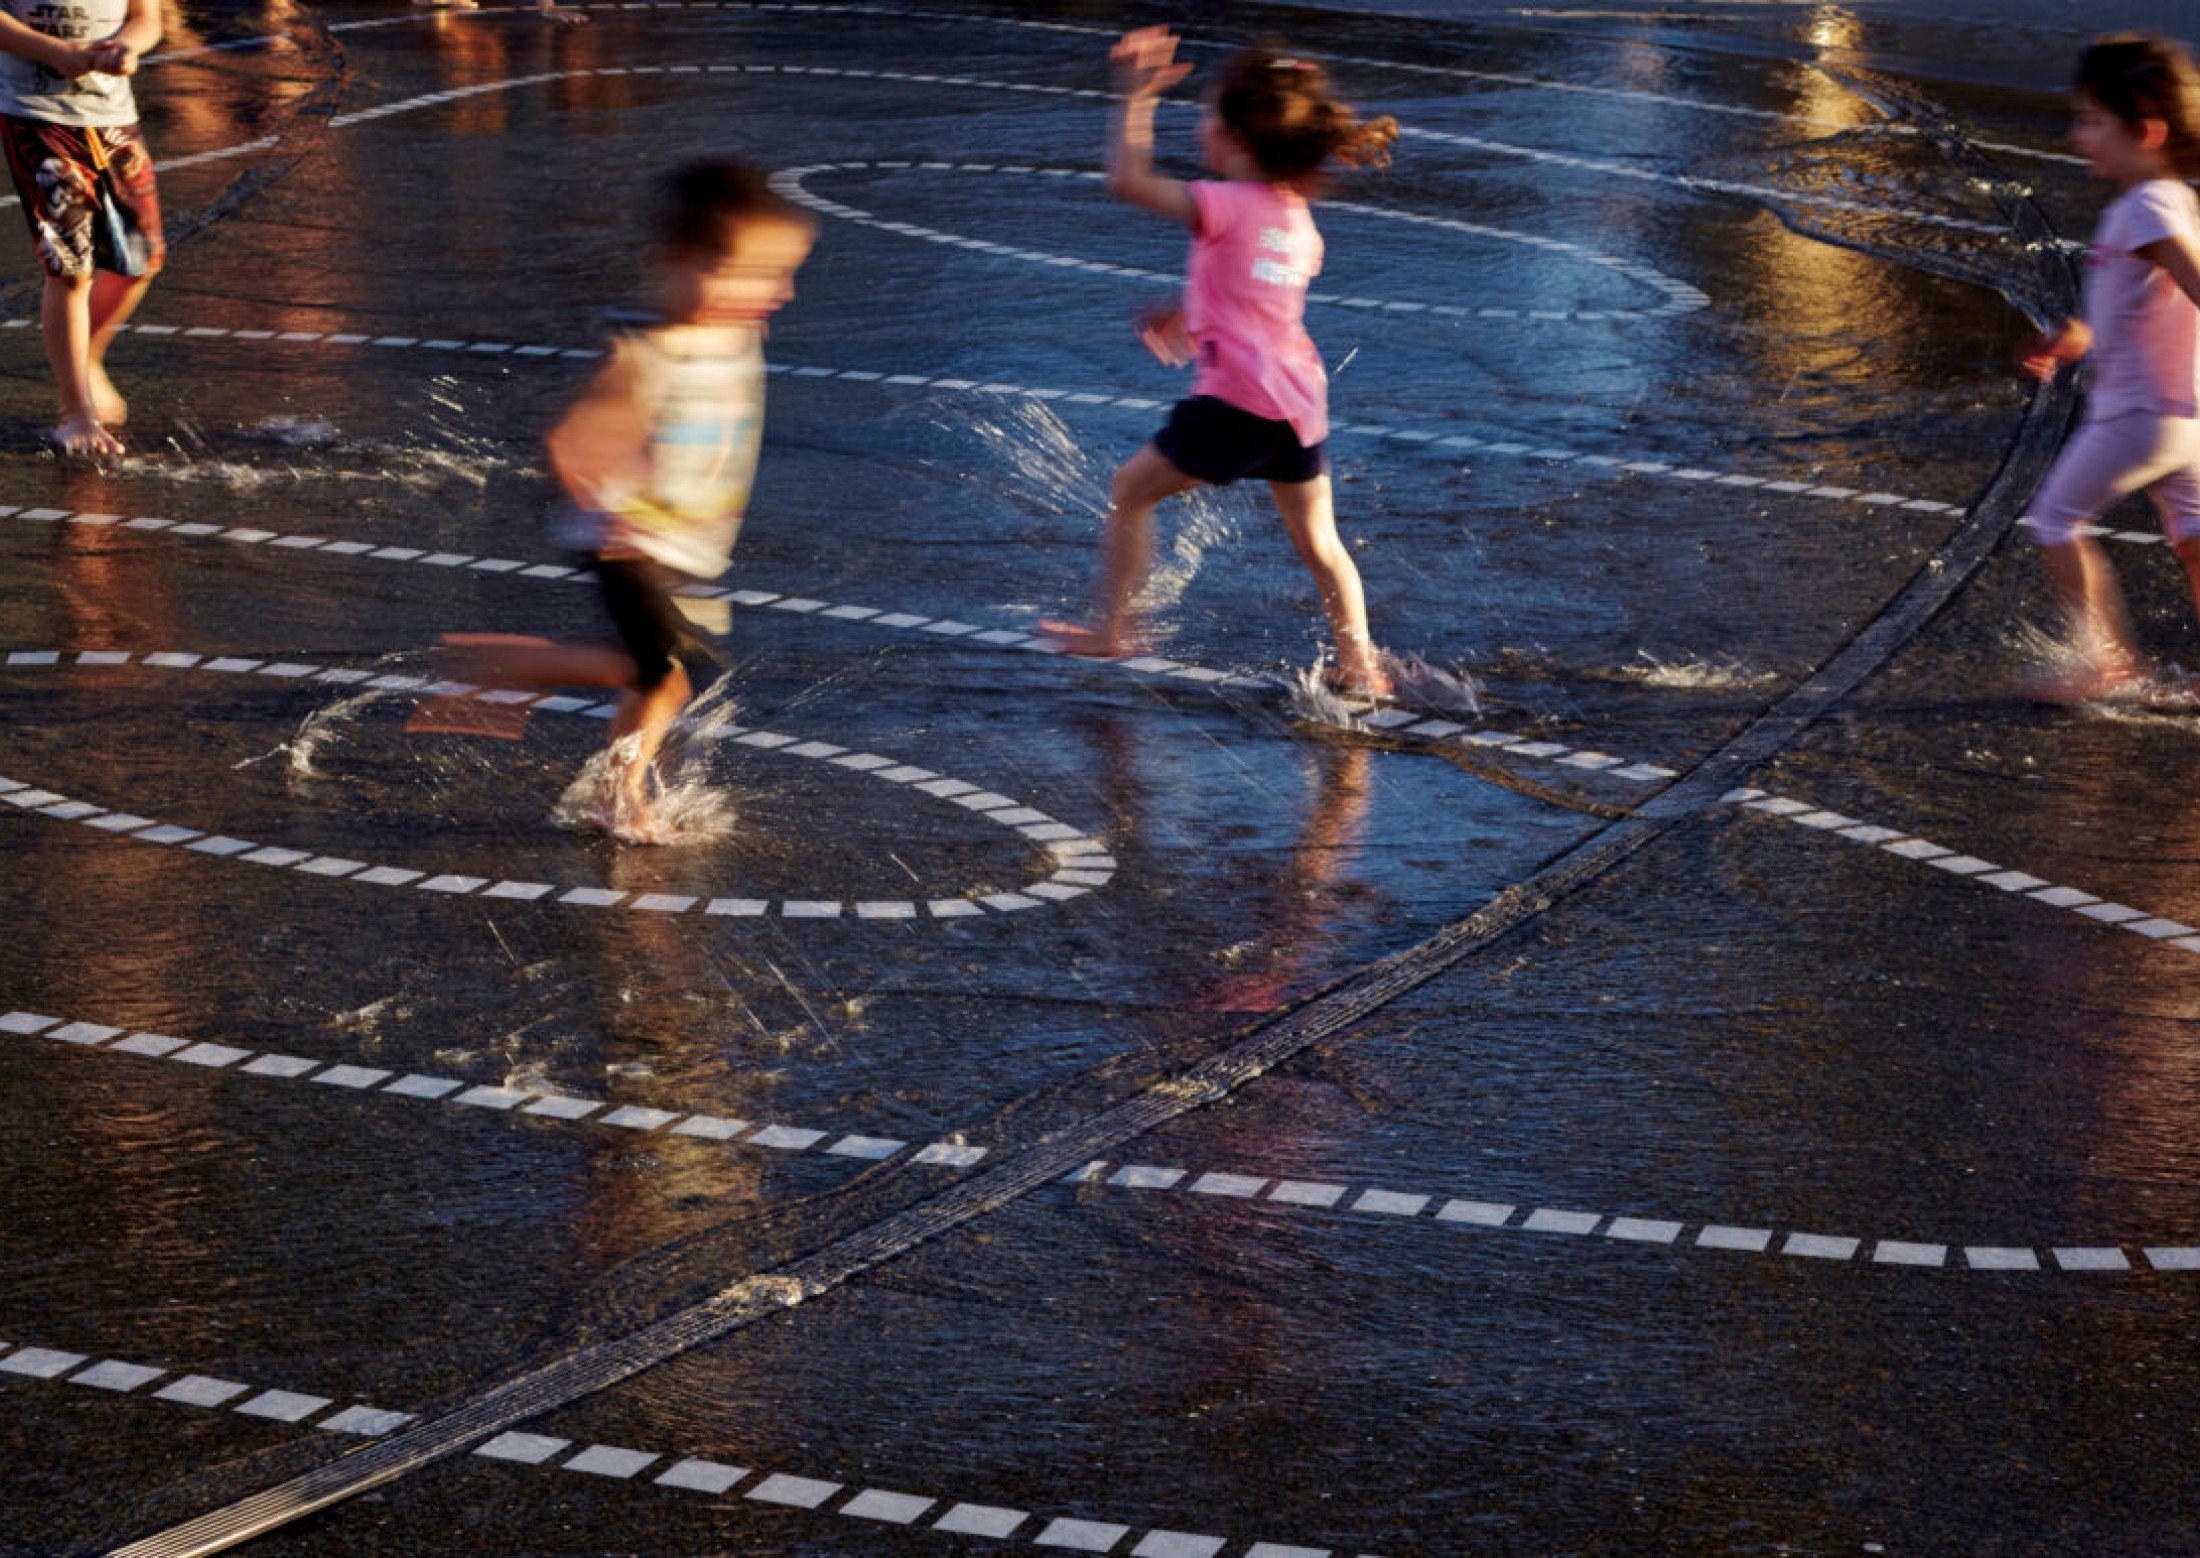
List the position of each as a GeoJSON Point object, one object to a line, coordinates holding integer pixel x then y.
{"type": "Point", "coordinates": [1083, 862]}
{"type": "Point", "coordinates": [1624, 1228]}
{"type": "Point", "coordinates": [676, 1471]}
{"type": "Point", "coordinates": [634, 1119]}
{"type": "Point", "coordinates": [1222, 1185]}
{"type": "Point", "coordinates": [2155, 928]}
{"type": "Point", "coordinates": [1680, 297]}
{"type": "Point", "coordinates": [1439, 440]}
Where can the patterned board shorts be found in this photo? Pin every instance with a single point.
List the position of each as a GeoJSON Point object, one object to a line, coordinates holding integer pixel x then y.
{"type": "Point", "coordinates": [85, 216]}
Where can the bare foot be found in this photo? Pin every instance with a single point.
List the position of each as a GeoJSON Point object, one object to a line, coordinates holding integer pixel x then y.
{"type": "Point", "coordinates": [107, 402]}
{"type": "Point", "coordinates": [1074, 638]}
{"type": "Point", "coordinates": [561, 13]}
{"type": "Point", "coordinates": [82, 435]}
{"type": "Point", "coordinates": [1373, 685]}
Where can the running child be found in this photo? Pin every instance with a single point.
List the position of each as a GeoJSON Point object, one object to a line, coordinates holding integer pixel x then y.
{"type": "Point", "coordinates": [2136, 119]}
{"type": "Point", "coordinates": [656, 460]}
{"type": "Point", "coordinates": [69, 124]}
{"type": "Point", "coordinates": [1260, 398]}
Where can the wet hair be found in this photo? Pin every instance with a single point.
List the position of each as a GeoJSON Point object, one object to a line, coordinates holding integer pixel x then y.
{"type": "Point", "coordinates": [1279, 106]}
{"type": "Point", "coordinates": [2137, 77]}
{"type": "Point", "coordinates": [703, 204]}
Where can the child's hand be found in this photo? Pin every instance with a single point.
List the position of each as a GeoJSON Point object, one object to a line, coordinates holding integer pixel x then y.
{"type": "Point", "coordinates": [1161, 331]}
{"type": "Point", "coordinates": [2044, 356]}
{"type": "Point", "coordinates": [1146, 64]}
{"type": "Point", "coordinates": [114, 57]}
{"type": "Point", "coordinates": [71, 60]}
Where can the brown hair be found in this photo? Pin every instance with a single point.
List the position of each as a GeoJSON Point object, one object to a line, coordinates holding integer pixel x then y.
{"type": "Point", "coordinates": [2137, 77]}
{"type": "Point", "coordinates": [703, 204]}
{"type": "Point", "coordinates": [1279, 106]}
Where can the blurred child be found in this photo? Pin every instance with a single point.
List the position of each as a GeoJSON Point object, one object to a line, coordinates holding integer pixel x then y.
{"type": "Point", "coordinates": [656, 459]}
{"type": "Point", "coordinates": [2136, 119]}
{"type": "Point", "coordinates": [69, 123]}
{"type": "Point", "coordinates": [1260, 398]}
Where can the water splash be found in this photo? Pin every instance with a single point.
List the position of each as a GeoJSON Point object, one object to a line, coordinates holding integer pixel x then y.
{"type": "Point", "coordinates": [1034, 464]}
{"type": "Point", "coordinates": [1416, 684]}
{"type": "Point", "coordinates": [1695, 675]}
{"type": "Point", "coordinates": [683, 802]}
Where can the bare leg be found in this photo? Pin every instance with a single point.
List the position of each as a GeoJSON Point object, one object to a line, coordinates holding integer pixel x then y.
{"type": "Point", "coordinates": [2188, 553]}
{"type": "Point", "coordinates": [1310, 517]}
{"type": "Point", "coordinates": [65, 315]}
{"type": "Point", "coordinates": [2085, 583]}
{"type": "Point", "coordinates": [644, 718]}
{"type": "Point", "coordinates": [1126, 552]}
{"type": "Point", "coordinates": [114, 299]}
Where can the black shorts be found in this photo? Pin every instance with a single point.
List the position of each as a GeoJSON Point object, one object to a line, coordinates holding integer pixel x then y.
{"type": "Point", "coordinates": [638, 594]}
{"type": "Point", "coordinates": [1216, 442]}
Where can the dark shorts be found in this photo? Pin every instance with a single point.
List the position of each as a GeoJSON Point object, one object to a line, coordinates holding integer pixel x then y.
{"type": "Point", "coordinates": [1214, 441]}
{"type": "Point", "coordinates": [88, 195]}
{"type": "Point", "coordinates": [638, 593]}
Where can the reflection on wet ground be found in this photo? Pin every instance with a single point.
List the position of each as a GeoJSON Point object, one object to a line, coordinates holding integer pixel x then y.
{"type": "Point", "coordinates": [1134, 1108]}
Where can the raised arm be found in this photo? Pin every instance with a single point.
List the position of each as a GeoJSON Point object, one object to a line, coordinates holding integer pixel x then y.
{"type": "Point", "coordinates": [1145, 66]}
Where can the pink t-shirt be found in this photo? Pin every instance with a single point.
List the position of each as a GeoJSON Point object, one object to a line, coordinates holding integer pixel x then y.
{"type": "Point", "coordinates": [1253, 253]}
{"type": "Point", "coordinates": [2146, 332]}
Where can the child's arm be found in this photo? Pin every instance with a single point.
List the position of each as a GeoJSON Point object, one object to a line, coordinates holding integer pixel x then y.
{"type": "Point", "coordinates": [2043, 356]}
{"type": "Point", "coordinates": [2176, 255]}
{"type": "Point", "coordinates": [119, 52]}
{"type": "Point", "coordinates": [600, 448]}
{"type": "Point", "coordinates": [65, 59]}
{"type": "Point", "coordinates": [1145, 66]}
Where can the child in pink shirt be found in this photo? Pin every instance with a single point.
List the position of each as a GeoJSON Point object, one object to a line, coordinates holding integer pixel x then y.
{"type": "Point", "coordinates": [1260, 401]}
{"type": "Point", "coordinates": [2136, 118]}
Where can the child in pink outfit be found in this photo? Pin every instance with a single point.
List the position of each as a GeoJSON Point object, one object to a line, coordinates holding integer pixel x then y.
{"type": "Point", "coordinates": [2136, 118]}
{"type": "Point", "coordinates": [1260, 401]}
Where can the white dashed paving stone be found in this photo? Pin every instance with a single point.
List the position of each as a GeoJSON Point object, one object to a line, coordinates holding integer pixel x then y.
{"type": "Point", "coordinates": [1818, 1246]}
{"type": "Point", "coordinates": [526, 1449]}
{"type": "Point", "coordinates": [1140, 1176]}
{"type": "Point", "coordinates": [283, 1406]}
{"type": "Point", "coordinates": [788, 1138]}
{"type": "Point", "coordinates": [798, 1492]}
{"type": "Point", "coordinates": [40, 1362]}
{"type": "Point", "coordinates": [1297, 1192]}
{"type": "Point", "coordinates": [2103, 1258]}
{"type": "Point", "coordinates": [1554, 1220]}
{"type": "Point", "coordinates": [1753, 1241]}
{"type": "Point", "coordinates": [1176, 1544]}
{"type": "Point", "coordinates": [898, 1509]}
{"type": "Point", "coordinates": [114, 1374]}
{"type": "Point", "coordinates": [1081, 1536]}
{"type": "Point", "coordinates": [609, 1460]}
{"type": "Point", "coordinates": [1643, 1230]}
{"type": "Point", "coordinates": [1898, 1252]}
{"type": "Point", "coordinates": [702, 1476]}
{"type": "Point", "coordinates": [1217, 1184]}
{"type": "Point", "coordinates": [1476, 1214]}
{"type": "Point", "coordinates": [1391, 1203]}
{"type": "Point", "coordinates": [2001, 1258]}
{"type": "Point", "coordinates": [980, 1520]}
{"type": "Point", "coordinates": [282, 1066]}
{"type": "Point", "coordinates": [635, 1118]}
{"type": "Point", "coordinates": [201, 1390]}
{"type": "Point", "coordinates": [364, 1421]}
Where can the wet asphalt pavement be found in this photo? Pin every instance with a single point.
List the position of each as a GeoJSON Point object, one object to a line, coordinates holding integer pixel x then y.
{"type": "Point", "coordinates": [1727, 1087]}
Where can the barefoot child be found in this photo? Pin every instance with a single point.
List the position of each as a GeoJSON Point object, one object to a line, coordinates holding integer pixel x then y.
{"type": "Point", "coordinates": [68, 121]}
{"type": "Point", "coordinates": [1260, 399]}
{"type": "Point", "coordinates": [2136, 119]}
{"type": "Point", "coordinates": [656, 459]}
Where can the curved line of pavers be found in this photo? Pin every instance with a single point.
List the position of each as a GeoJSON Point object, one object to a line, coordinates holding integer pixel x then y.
{"type": "Point", "coordinates": [1083, 862]}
